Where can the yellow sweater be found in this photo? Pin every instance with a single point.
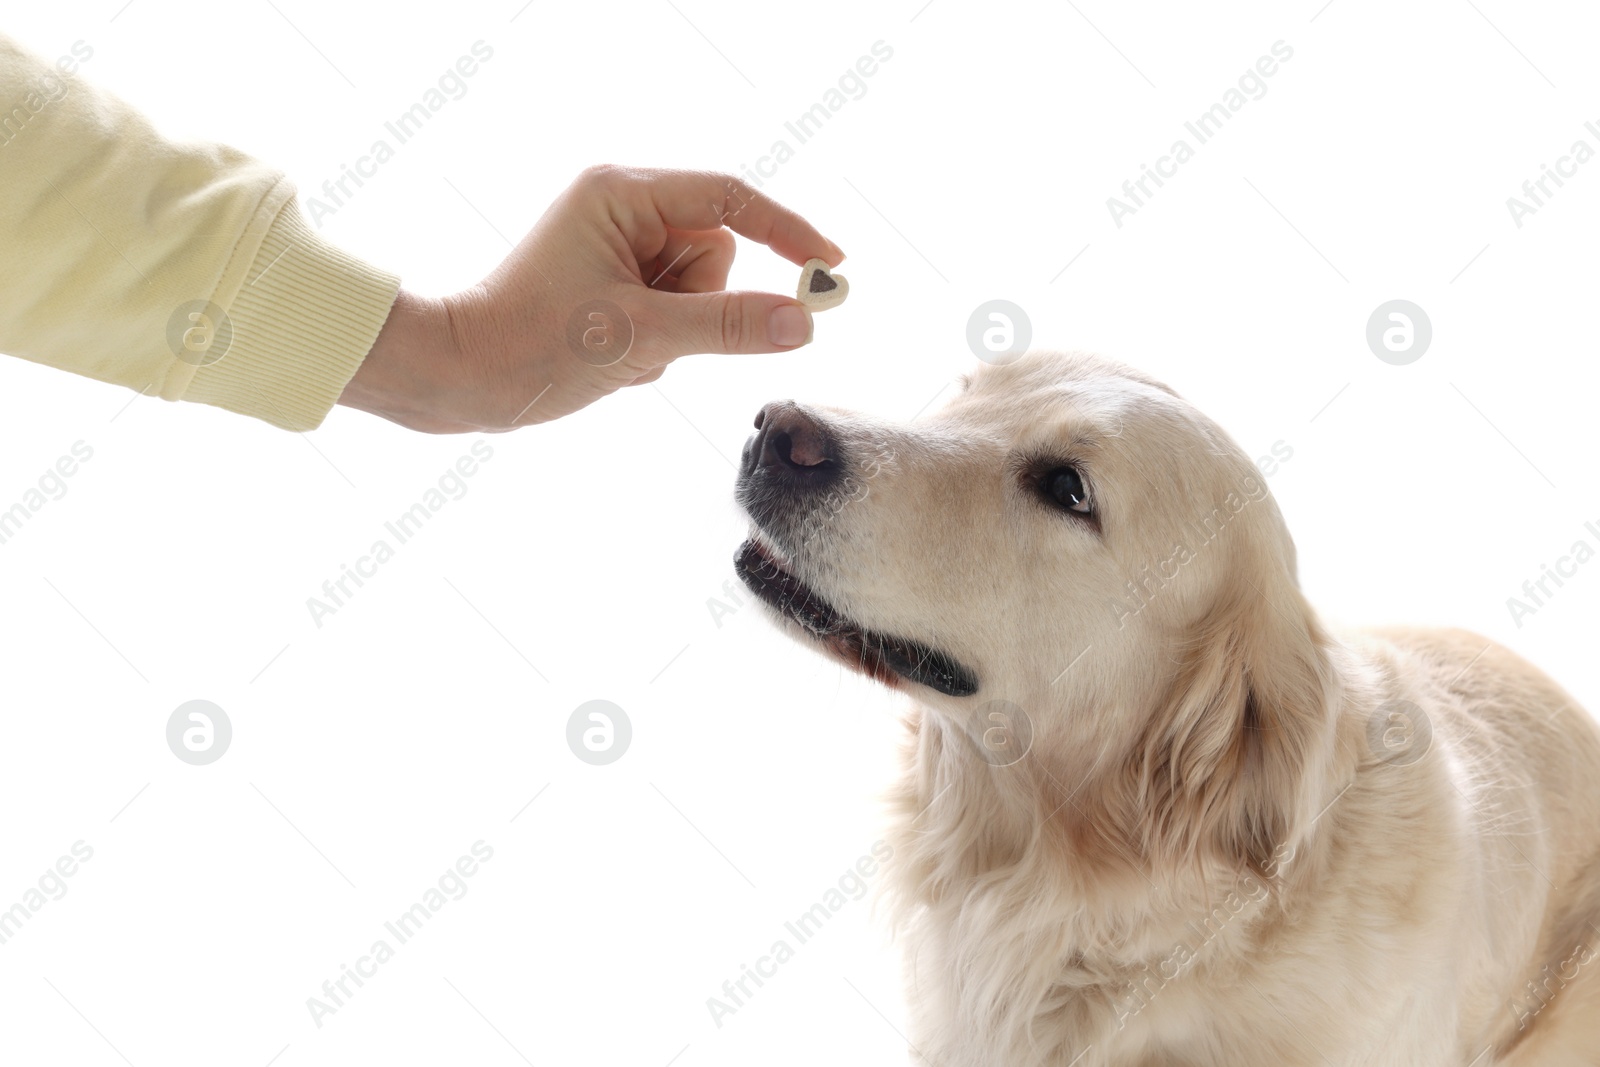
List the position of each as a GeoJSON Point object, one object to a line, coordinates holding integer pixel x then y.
{"type": "Point", "coordinates": [181, 270]}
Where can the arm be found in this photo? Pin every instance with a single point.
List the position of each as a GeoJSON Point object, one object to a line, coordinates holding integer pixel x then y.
{"type": "Point", "coordinates": [623, 274]}
{"type": "Point", "coordinates": [117, 241]}
{"type": "Point", "coordinates": [187, 271]}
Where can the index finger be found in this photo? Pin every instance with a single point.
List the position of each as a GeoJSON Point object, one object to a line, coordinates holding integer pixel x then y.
{"type": "Point", "coordinates": [706, 200]}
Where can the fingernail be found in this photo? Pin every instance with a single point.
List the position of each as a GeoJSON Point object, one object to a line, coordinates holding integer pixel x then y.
{"type": "Point", "coordinates": [788, 325]}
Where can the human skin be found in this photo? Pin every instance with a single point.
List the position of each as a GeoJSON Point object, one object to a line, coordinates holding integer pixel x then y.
{"type": "Point", "coordinates": [658, 244]}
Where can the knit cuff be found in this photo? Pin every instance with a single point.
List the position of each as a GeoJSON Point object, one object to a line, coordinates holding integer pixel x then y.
{"type": "Point", "coordinates": [301, 322]}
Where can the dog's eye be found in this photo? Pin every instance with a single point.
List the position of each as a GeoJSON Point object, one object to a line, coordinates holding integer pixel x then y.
{"type": "Point", "coordinates": [1063, 487]}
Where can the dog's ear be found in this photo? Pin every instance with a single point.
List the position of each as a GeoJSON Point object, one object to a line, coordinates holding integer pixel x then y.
{"type": "Point", "coordinates": [1226, 765]}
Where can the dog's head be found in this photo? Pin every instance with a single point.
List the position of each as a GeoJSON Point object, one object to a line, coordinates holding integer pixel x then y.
{"type": "Point", "coordinates": [1069, 547]}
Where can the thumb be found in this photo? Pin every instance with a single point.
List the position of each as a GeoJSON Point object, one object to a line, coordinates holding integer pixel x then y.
{"type": "Point", "coordinates": [731, 322]}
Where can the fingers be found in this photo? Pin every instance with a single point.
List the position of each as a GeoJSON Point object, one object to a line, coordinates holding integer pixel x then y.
{"type": "Point", "coordinates": [733, 322]}
{"type": "Point", "coordinates": [691, 313]}
{"type": "Point", "coordinates": [705, 200]}
{"type": "Point", "coordinates": [684, 196]}
{"type": "Point", "coordinates": [647, 378]}
{"type": "Point", "coordinates": [692, 262]}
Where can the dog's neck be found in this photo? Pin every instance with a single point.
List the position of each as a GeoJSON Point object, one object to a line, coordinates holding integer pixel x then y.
{"type": "Point", "coordinates": [995, 862]}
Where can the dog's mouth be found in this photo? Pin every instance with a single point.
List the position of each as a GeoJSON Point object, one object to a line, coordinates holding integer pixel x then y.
{"type": "Point", "coordinates": [886, 658]}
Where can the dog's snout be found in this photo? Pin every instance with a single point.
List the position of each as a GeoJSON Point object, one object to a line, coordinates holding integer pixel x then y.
{"type": "Point", "coordinates": [792, 445]}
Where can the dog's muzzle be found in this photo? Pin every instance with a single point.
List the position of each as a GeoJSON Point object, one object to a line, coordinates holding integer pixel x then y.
{"type": "Point", "coordinates": [790, 449]}
{"type": "Point", "coordinates": [788, 469]}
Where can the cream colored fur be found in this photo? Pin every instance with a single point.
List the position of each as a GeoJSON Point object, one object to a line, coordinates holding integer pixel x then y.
{"type": "Point", "coordinates": [1236, 839]}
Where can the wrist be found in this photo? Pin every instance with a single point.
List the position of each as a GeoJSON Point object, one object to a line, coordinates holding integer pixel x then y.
{"type": "Point", "coordinates": [405, 375]}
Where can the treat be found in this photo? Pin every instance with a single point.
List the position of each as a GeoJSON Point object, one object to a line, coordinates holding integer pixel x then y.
{"type": "Point", "coordinates": [820, 288]}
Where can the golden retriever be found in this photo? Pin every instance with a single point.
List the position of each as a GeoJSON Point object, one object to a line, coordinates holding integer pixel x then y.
{"type": "Point", "coordinates": [1152, 812]}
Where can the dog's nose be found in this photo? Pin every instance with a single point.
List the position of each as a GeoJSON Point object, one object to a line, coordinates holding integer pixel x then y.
{"type": "Point", "coordinates": [791, 444]}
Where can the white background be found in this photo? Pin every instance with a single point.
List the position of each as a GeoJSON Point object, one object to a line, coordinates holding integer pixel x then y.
{"type": "Point", "coordinates": [370, 753]}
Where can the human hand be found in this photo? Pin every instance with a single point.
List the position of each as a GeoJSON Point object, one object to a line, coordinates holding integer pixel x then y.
{"type": "Point", "coordinates": [521, 347]}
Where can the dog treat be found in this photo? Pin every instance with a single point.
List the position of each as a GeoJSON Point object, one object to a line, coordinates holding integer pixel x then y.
{"type": "Point", "coordinates": [820, 288]}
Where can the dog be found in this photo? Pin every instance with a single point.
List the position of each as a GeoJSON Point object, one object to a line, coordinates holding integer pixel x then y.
{"type": "Point", "coordinates": [1151, 810]}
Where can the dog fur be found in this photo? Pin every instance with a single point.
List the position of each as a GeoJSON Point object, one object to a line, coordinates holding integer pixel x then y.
{"type": "Point", "coordinates": [1211, 852]}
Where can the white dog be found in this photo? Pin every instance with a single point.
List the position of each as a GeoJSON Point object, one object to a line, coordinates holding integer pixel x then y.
{"type": "Point", "coordinates": [1152, 812]}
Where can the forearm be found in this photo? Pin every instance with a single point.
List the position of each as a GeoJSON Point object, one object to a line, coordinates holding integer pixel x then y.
{"type": "Point", "coordinates": [407, 374]}
{"type": "Point", "coordinates": [179, 270]}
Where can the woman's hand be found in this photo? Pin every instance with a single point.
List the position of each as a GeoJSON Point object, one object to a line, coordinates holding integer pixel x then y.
{"type": "Point", "coordinates": [622, 275]}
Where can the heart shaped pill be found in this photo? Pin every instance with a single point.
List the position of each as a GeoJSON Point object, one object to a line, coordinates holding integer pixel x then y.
{"type": "Point", "coordinates": [820, 288]}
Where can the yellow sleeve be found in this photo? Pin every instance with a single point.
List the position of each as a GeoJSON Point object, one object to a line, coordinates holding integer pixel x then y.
{"type": "Point", "coordinates": [182, 270]}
